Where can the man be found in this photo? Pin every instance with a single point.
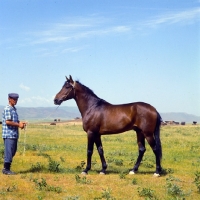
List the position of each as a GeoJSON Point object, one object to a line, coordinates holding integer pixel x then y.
{"type": "Point", "coordinates": [10, 132]}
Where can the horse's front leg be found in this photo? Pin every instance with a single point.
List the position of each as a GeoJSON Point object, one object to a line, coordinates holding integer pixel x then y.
{"type": "Point", "coordinates": [101, 154]}
{"type": "Point", "coordinates": [90, 148]}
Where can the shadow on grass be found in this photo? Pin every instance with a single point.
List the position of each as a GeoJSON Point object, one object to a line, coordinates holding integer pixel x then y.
{"type": "Point", "coordinates": [42, 169]}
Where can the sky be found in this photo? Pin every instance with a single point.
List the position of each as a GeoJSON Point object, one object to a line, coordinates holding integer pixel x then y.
{"type": "Point", "coordinates": [125, 51]}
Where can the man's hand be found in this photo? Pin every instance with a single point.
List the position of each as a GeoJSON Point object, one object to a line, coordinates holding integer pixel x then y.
{"type": "Point", "coordinates": [22, 125]}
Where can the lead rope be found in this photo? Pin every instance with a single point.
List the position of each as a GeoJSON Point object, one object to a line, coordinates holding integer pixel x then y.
{"type": "Point", "coordinates": [24, 139]}
{"type": "Point", "coordinates": [25, 128]}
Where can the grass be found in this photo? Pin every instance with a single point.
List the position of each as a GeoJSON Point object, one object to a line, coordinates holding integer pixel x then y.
{"type": "Point", "coordinates": [50, 167]}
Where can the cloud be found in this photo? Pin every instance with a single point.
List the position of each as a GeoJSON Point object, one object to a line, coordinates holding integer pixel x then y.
{"type": "Point", "coordinates": [69, 31]}
{"type": "Point", "coordinates": [23, 87]}
{"type": "Point", "coordinates": [64, 36]}
{"type": "Point", "coordinates": [99, 26]}
{"type": "Point", "coordinates": [36, 100]}
{"type": "Point", "coordinates": [41, 99]}
{"type": "Point", "coordinates": [82, 28]}
{"type": "Point", "coordinates": [72, 49]}
{"type": "Point", "coordinates": [186, 16]}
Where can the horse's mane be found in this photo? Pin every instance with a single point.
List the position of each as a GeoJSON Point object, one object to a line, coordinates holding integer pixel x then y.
{"type": "Point", "coordinates": [89, 92]}
{"type": "Point", "coordinates": [87, 89]}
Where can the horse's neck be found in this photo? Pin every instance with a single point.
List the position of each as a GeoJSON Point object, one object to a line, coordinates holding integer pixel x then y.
{"type": "Point", "coordinates": [83, 103]}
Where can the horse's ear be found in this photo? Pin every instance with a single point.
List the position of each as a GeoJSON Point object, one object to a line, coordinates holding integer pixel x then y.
{"type": "Point", "coordinates": [71, 80]}
{"type": "Point", "coordinates": [67, 78]}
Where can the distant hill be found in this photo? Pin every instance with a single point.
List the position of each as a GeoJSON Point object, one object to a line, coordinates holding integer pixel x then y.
{"type": "Point", "coordinates": [68, 113]}
{"type": "Point", "coordinates": [46, 113]}
{"type": "Point", "coordinates": [179, 117]}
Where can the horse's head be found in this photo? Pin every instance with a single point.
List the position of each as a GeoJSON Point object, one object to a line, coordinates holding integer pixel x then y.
{"type": "Point", "coordinates": [66, 92]}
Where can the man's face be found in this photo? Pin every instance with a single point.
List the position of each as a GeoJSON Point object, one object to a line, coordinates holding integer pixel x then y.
{"type": "Point", "coordinates": [12, 101]}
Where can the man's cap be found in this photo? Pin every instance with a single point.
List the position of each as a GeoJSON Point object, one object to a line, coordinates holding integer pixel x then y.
{"type": "Point", "coordinates": [13, 95]}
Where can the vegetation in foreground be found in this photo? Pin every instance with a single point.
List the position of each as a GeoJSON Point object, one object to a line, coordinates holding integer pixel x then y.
{"type": "Point", "coordinates": [50, 159]}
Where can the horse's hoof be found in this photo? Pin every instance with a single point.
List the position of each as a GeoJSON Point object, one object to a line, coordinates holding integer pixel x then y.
{"type": "Point", "coordinates": [84, 173]}
{"type": "Point", "coordinates": [131, 172]}
{"type": "Point", "coordinates": [102, 173]}
{"type": "Point", "coordinates": [156, 175]}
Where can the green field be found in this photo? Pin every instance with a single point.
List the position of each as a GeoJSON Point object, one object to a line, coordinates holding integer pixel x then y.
{"type": "Point", "coordinates": [50, 159]}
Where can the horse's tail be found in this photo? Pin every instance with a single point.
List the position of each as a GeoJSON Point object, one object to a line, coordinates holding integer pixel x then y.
{"type": "Point", "coordinates": [157, 135]}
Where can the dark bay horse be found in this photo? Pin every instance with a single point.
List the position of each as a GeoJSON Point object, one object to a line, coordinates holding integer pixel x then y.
{"type": "Point", "coordinates": [100, 118]}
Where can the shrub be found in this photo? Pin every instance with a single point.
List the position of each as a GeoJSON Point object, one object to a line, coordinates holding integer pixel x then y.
{"type": "Point", "coordinates": [106, 194]}
{"type": "Point", "coordinates": [134, 181]}
{"type": "Point", "coordinates": [146, 192]}
{"type": "Point", "coordinates": [118, 162]}
{"type": "Point", "coordinates": [53, 166]}
{"type": "Point", "coordinates": [42, 185]}
{"type": "Point", "coordinates": [37, 167]}
{"type": "Point", "coordinates": [197, 180]}
{"type": "Point", "coordinates": [82, 180]}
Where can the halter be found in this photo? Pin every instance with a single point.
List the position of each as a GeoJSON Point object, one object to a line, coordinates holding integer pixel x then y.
{"type": "Point", "coordinates": [69, 90]}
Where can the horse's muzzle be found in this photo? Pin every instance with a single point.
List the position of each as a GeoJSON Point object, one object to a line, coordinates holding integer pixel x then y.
{"type": "Point", "coordinates": [57, 101]}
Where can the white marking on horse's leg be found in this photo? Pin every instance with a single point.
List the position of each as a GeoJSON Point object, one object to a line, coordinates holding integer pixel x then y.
{"type": "Point", "coordinates": [83, 173]}
{"type": "Point", "coordinates": [102, 173]}
{"type": "Point", "coordinates": [156, 175]}
{"type": "Point", "coordinates": [131, 172]}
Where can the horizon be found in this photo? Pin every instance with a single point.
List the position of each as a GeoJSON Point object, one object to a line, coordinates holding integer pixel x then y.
{"type": "Point", "coordinates": [63, 107]}
{"type": "Point", "coordinates": [125, 51]}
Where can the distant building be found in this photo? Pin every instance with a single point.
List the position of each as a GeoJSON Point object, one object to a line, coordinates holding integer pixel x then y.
{"type": "Point", "coordinates": [172, 122]}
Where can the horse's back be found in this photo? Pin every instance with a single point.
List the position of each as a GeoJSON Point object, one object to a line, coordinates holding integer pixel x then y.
{"type": "Point", "coordinates": [111, 119]}
{"type": "Point", "coordinates": [134, 110]}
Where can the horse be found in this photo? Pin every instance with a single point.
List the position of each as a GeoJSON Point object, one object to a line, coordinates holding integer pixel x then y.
{"type": "Point", "coordinates": [100, 117]}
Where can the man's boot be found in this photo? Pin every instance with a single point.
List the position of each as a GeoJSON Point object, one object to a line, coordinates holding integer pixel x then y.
{"type": "Point", "coordinates": [6, 169]}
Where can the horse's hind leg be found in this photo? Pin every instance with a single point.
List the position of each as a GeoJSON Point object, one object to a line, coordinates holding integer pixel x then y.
{"type": "Point", "coordinates": [141, 149]}
{"type": "Point", "coordinates": [101, 154]}
{"type": "Point", "coordinates": [155, 149]}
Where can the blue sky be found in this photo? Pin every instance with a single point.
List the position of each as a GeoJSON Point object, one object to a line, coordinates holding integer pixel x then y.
{"type": "Point", "coordinates": [125, 51]}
